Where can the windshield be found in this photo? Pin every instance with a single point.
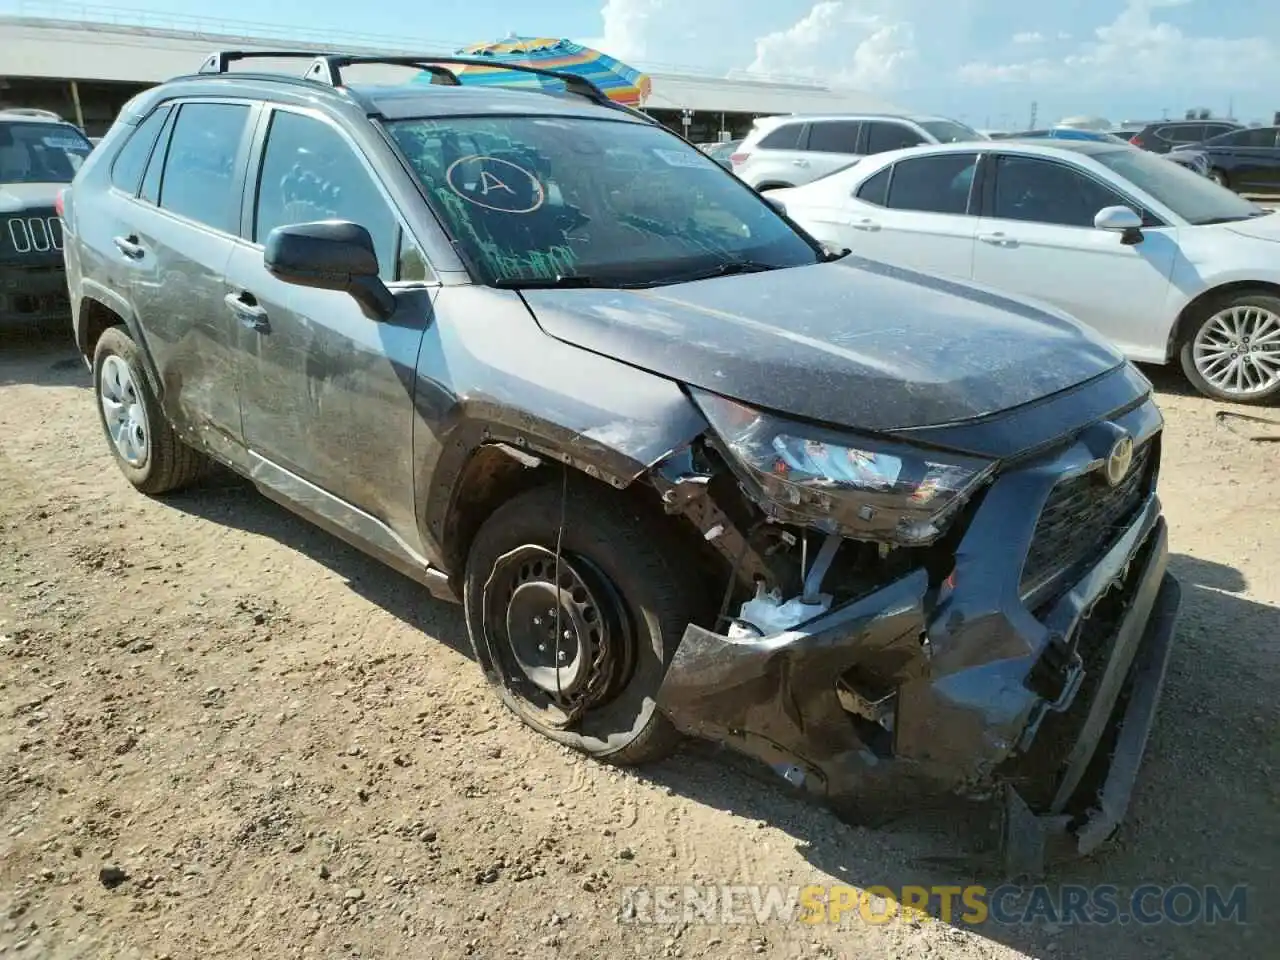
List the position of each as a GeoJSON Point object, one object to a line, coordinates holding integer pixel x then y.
{"type": "Point", "coordinates": [606, 203]}
{"type": "Point", "coordinates": [1195, 198]}
{"type": "Point", "coordinates": [949, 131]}
{"type": "Point", "coordinates": [40, 152]}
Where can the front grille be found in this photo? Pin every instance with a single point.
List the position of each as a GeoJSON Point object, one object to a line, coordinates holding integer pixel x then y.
{"type": "Point", "coordinates": [31, 234]}
{"type": "Point", "coordinates": [1082, 517]}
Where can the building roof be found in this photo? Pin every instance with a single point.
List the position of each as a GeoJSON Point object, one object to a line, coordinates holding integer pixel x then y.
{"type": "Point", "coordinates": [74, 50]}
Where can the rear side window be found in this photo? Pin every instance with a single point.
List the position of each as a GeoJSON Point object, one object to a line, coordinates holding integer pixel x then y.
{"type": "Point", "coordinates": [876, 190]}
{"type": "Point", "coordinates": [199, 180]}
{"type": "Point", "coordinates": [882, 137]}
{"type": "Point", "coordinates": [937, 184]}
{"type": "Point", "coordinates": [839, 136]}
{"type": "Point", "coordinates": [1216, 129]}
{"type": "Point", "coordinates": [786, 137]}
{"type": "Point", "coordinates": [1181, 133]}
{"type": "Point", "coordinates": [131, 161]}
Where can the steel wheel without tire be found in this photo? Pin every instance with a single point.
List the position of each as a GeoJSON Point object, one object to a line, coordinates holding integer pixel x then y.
{"type": "Point", "coordinates": [1234, 352]}
{"type": "Point", "coordinates": [145, 446]}
{"type": "Point", "coordinates": [578, 647]}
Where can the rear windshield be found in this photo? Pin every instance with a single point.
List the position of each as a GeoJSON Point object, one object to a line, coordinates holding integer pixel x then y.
{"type": "Point", "coordinates": [607, 202]}
{"type": "Point", "coordinates": [41, 152]}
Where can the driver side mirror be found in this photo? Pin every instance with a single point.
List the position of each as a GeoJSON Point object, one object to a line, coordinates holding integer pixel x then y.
{"type": "Point", "coordinates": [1120, 220]}
{"type": "Point", "coordinates": [330, 255]}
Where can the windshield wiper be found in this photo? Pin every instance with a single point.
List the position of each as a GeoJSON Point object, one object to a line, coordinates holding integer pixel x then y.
{"type": "Point", "coordinates": [726, 269]}
{"type": "Point", "coordinates": [1210, 221]}
{"type": "Point", "coordinates": [559, 282]}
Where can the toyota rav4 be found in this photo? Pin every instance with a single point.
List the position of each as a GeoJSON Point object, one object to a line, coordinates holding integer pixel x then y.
{"type": "Point", "coordinates": [687, 471]}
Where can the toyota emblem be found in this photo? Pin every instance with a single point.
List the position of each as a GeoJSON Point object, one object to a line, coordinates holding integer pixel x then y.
{"type": "Point", "coordinates": [1119, 460]}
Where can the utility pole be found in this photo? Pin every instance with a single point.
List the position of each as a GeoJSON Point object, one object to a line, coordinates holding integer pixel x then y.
{"type": "Point", "coordinates": [1035, 107]}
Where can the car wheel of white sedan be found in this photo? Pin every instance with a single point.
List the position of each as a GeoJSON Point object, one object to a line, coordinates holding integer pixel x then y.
{"type": "Point", "coordinates": [1233, 351]}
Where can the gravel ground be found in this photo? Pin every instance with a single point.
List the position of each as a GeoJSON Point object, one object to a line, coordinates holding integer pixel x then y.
{"type": "Point", "coordinates": [230, 735]}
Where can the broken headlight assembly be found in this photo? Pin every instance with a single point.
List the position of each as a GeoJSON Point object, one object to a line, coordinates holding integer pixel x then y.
{"type": "Point", "coordinates": [838, 482]}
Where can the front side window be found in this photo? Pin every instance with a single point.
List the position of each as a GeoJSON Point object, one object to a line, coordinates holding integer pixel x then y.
{"type": "Point", "coordinates": [1041, 191]}
{"type": "Point", "coordinates": [310, 172]}
{"type": "Point", "coordinates": [950, 131]}
{"type": "Point", "coordinates": [933, 184]}
{"type": "Point", "coordinates": [131, 161]}
{"type": "Point", "coordinates": [199, 179]}
{"type": "Point", "coordinates": [837, 136]}
{"type": "Point", "coordinates": [597, 202]}
{"type": "Point", "coordinates": [882, 137]}
{"type": "Point", "coordinates": [41, 152]}
{"type": "Point", "coordinates": [1182, 133]}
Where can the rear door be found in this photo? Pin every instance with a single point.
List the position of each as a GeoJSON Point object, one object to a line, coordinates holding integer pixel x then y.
{"type": "Point", "coordinates": [832, 144]}
{"type": "Point", "coordinates": [327, 393]}
{"type": "Point", "coordinates": [1249, 158]}
{"type": "Point", "coordinates": [173, 243]}
{"type": "Point", "coordinates": [926, 221]}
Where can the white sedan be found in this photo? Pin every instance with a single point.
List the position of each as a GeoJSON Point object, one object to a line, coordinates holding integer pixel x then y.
{"type": "Point", "coordinates": [1167, 264]}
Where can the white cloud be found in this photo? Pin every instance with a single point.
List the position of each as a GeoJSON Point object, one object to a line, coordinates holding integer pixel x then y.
{"type": "Point", "coordinates": [841, 41]}
{"type": "Point", "coordinates": [1141, 52]}
{"type": "Point", "coordinates": [1030, 36]}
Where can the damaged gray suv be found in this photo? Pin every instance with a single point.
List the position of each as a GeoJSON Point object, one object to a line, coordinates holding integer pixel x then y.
{"type": "Point", "coordinates": [688, 472]}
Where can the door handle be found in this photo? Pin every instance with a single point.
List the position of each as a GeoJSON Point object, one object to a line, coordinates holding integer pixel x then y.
{"type": "Point", "coordinates": [248, 311]}
{"type": "Point", "coordinates": [998, 239]}
{"type": "Point", "coordinates": [866, 223]}
{"type": "Point", "coordinates": [129, 246]}
{"type": "Point", "coordinates": [800, 163]}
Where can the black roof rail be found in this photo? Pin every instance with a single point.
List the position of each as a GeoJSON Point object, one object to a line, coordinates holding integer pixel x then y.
{"type": "Point", "coordinates": [219, 61]}
{"type": "Point", "coordinates": [327, 68]}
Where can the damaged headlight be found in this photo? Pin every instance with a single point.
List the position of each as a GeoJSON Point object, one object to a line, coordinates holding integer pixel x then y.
{"type": "Point", "coordinates": [860, 487]}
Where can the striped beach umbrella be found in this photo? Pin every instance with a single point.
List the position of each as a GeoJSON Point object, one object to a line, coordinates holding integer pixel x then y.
{"type": "Point", "coordinates": [620, 82]}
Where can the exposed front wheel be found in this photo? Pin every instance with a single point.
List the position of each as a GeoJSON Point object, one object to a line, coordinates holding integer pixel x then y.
{"type": "Point", "coordinates": [1220, 178]}
{"type": "Point", "coordinates": [145, 446]}
{"type": "Point", "coordinates": [578, 647]}
{"type": "Point", "coordinates": [1232, 352]}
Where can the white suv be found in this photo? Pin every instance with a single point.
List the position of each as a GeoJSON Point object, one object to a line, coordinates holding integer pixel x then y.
{"type": "Point", "coordinates": [790, 151]}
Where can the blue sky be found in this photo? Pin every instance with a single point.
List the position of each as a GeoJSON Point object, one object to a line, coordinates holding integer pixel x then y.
{"type": "Point", "coordinates": [983, 60]}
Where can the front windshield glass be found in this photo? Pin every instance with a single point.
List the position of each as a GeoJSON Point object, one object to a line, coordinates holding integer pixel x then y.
{"type": "Point", "coordinates": [950, 131]}
{"type": "Point", "coordinates": [41, 152]}
{"type": "Point", "coordinates": [1195, 198]}
{"type": "Point", "coordinates": [608, 203]}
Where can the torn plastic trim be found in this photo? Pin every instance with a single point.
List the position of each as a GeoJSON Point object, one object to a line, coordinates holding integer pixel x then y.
{"type": "Point", "coordinates": [1028, 841]}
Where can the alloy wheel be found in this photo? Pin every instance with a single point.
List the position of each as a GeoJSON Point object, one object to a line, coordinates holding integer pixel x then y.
{"type": "Point", "coordinates": [1237, 350]}
{"type": "Point", "coordinates": [124, 412]}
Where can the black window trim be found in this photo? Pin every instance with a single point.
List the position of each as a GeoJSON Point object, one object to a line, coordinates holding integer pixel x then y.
{"type": "Point", "coordinates": [242, 156]}
{"type": "Point", "coordinates": [166, 105]}
{"type": "Point", "coordinates": [253, 182]}
{"type": "Point", "coordinates": [989, 193]}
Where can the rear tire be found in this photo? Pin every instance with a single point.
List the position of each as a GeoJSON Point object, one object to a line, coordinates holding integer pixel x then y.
{"type": "Point", "coordinates": [1210, 333]}
{"type": "Point", "coordinates": [627, 593]}
{"type": "Point", "coordinates": [1219, 177]}
{"type": "Point", "coordinates": [144, 445]}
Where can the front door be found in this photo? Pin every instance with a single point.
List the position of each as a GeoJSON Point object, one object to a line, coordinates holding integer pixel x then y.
{"type": "Point", "coordinates": [327, 392]}
{"type": "Point", "coordinates": [174, 241]}
{"type": "Point", "coordinates": [1039, 241]}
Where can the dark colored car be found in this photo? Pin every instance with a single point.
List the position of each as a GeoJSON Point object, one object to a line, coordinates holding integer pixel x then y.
{"type": "Point", "coordinates": [547, 359]}
{"type": "Point", "coordinates": [39, 155]}
{"type": "Point", "coordinates": [1246, 160]}
{"type": "Point", "coordinates": [1163, 136]}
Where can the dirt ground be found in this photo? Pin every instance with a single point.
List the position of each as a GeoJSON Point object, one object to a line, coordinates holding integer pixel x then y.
{"type": "Point", "coordinates": [287, 751]}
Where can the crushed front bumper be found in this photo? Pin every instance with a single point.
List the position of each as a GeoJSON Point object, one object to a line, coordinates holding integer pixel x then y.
{"type": "Point", "coordinates": [972, 711]}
